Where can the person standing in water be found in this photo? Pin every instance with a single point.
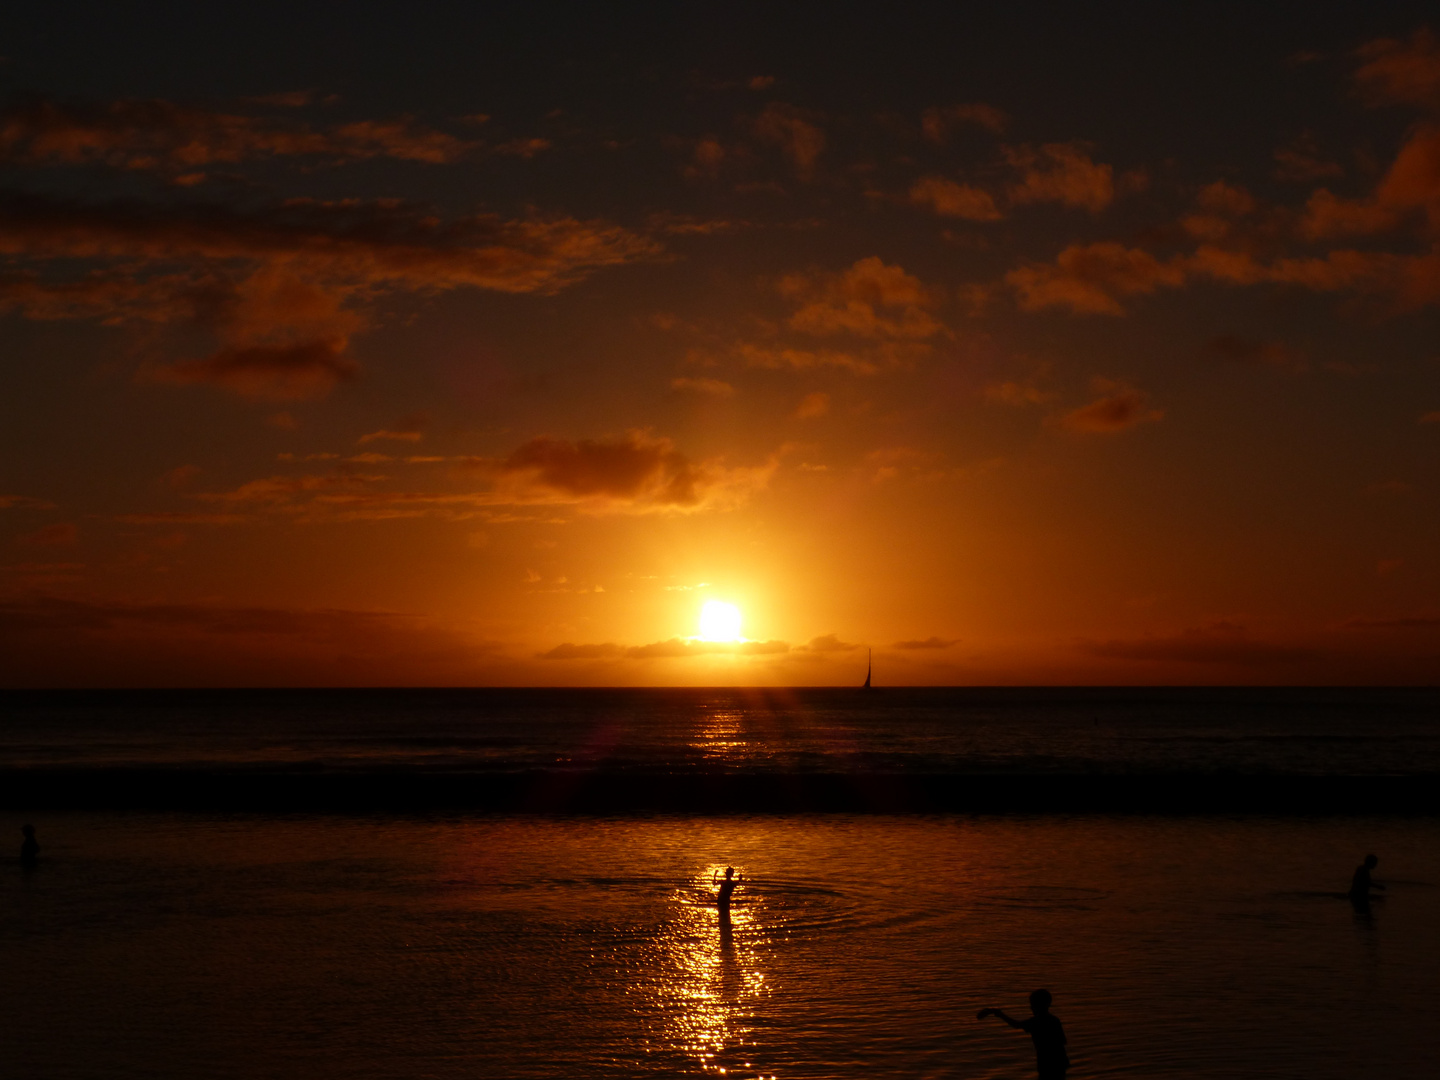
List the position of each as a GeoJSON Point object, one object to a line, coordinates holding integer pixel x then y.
{"type": "Point", "coordinates": [727, 888]}
{"type": "Point", "coordinates": [29, 847]}
{"type": "Point", "coordinates": [1045, 1030]}
{"type": "Point", "coordinates": [1361, 884]}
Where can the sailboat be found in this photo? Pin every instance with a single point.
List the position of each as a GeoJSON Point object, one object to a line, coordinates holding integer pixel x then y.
{"type": "Point", "coordinates": [868, 667]}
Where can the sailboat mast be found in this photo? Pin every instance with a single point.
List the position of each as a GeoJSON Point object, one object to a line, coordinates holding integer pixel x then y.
{"type": "Point", "coordinates": [869, 667]}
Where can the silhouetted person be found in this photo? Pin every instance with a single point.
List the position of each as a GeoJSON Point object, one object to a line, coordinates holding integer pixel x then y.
{"type": "Point", "coordinates": [1044, 1028]}
{"type": "Point", "coordinates": [727, 888]}
{"type": "Point", "coordinates": [1361, 884]}
{"type": "Point", "coordinates": [29, 847]}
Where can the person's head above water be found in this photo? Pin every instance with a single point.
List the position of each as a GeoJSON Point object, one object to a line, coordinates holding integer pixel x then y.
{"type": "Point", "coordinates": [729, 872]}
{"type": "Point", "coordinates": [1040, 1001]}
{"type": "Point", "coordinates": [28, 830]}
{"type": "Point", "coordinates": [1370, 862]}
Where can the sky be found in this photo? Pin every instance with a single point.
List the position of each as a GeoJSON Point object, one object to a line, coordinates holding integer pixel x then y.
{"type": "Point", "coordinates": [363, 344]}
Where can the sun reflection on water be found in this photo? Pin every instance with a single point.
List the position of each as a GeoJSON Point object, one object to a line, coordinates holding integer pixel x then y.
{"type": "Point", "coordinates": [712, 980]}
{"type": "Point", "coordinates": [722, 735]}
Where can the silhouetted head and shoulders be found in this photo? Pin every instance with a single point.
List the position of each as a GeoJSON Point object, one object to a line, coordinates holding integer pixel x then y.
{"type": "Point", "coordinates": [29, 847]}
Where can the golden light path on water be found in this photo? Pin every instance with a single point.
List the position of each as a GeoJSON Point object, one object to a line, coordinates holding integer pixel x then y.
{"type": "Point", "coordinates": [713, 978]}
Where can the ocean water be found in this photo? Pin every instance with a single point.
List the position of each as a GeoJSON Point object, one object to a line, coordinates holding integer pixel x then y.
{"type": "Point", "coordinates": [698, 731]}
{"type": "Point", "coordinates": [406, 942]}
{"type": "Point", "coordinates": [181, 946]}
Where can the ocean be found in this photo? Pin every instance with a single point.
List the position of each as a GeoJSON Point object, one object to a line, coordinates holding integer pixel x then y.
{"type": "Point", "coordinates": [543, 933]}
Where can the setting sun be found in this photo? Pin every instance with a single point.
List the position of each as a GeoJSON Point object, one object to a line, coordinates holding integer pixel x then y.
{"type": "Point", "coordinates": [719, 622]}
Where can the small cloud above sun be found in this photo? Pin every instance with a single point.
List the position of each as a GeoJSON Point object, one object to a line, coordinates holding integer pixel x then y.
{"type": "Point", "coordinates": [720, 622]}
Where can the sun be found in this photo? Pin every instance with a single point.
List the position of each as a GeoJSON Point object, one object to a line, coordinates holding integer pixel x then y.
{"type": "Point", "coordinates": [719, 622]}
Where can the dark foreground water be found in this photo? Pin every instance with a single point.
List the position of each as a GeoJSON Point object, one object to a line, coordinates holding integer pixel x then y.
{"type": "Point", "coordinates": [162, 939]}
{"type": "Point", "coordinates": [187, 946]}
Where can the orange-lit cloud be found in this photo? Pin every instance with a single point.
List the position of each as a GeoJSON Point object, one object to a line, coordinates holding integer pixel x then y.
{"type": "Point", "coordinates": [949, 199]}
{"type": "Point", "coordinates": [24, 502]}
{"type": "Point", "coordinates": [164, 136]}
{"type": "Point", "coordinates": [871, 300]}
{"type": "Point", "coordinates": [813, 405]}
{"type": "Point", "coordinates": [829, 643]}
{"type": "Point", "coordinates": [1062, 173]}
{"type": "Point", "coordinates": [1089, 278]}
{"type": "Point", "coordinates": [927, 643]}
{"type": "Point", "coordinates": [269, 372]}
{"type": "Point", "coordinates": [711, 387]}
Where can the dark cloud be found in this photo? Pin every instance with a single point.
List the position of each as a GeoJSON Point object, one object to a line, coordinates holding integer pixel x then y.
{"type": "Point", "coordinates": [927, 643]}
{"type": "Point", "coordinates": [1121, 407]}
{"type": "Point", "coordinates": [269, 372]}
{"type": "Point", "coordinates": [284, 286]}
{"type": "Point", "coordinates": [1219, 643]}
{"type": "Point", "coordinates": [1088, 278]}
{"type": "Point", "coordinates": [1245, 351]}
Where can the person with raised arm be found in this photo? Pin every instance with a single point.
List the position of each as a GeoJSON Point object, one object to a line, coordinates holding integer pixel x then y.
{"type": "Point", "coordinates": [1045, 1030]}
{"type": "Point", "coordinates": [727, 889]}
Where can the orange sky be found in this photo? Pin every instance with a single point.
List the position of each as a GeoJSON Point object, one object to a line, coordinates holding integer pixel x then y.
{"type": "Point", "coordinates": [475, 349]}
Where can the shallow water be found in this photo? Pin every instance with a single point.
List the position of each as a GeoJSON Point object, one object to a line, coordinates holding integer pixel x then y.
{"type": "Point", "coordinates": [179, 946]}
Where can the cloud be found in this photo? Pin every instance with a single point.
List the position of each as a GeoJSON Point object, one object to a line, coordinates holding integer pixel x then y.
{"type": "Point", "coordinates": [1088, 278]}
{"type": "Point", "coordinates": [282, 286]}
{"type": "Point", "coordinates": [162, 136]}
{"type": "Point", "coordinates": [1219, 643]}
{"type": "Point", "coordinates": [1121, 407]}
{"type": "Point", "coordinates": [180, 517]}
{"type": "Point", "coordinates": [296, 372]}
{"type": "Point", "coordinates": [829, 643]}
{"type": "Point", "coordinates": [523, 148]}
{"type": "Point", "coordinates": [949, 199]}
{"type": "Point", "coordinates": [569, 651]}
{"type": "Point", "coordinates": [938, 122]}
{"type": "Point", "coordinates": [681, 647]}
{"type": "Point", "coordinates": [1299, 161]}
{"type": "Point", "coordinates": [795, 132]}
{"type": "Point", "coordinates": [24, 502]}
{"type": "Point", "coordinates": [1411, 185]}
{"type": "Point", "coordinates": [1017, 393]}
{"type": "Point", "coordinates": [1431, 417]}
{"type": "Point", "coordinates": [1063, 173]}
{"type": "Point", "coordinates": [871, 300]}
{"type": "Point", "coordinates": [1268, 353]}
{"type": "Point", "coordinates": [60, 534]}
{"type": "Point", "coordinates": [712, 387]}
{"type": "Point", "coordinates": [636, 470]}
{"type": "Point", "coordinates": [813, 405]}
{"type": "Point", "coordinates": [927, 643]}
{"type": "Point", "coordinates": [410, 429]}
{"type": "Point", "coordinates": [1401, 72]}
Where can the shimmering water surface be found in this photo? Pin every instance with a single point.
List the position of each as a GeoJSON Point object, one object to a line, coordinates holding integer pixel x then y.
{"type": "Point", "coordinates": [182, 946]}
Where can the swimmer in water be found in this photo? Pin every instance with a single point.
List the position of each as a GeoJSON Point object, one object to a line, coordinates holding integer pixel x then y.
{"type": "Point", "coordinates": [727, 887]}
{"type": "Point", "coordinates": [1362, 883]}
